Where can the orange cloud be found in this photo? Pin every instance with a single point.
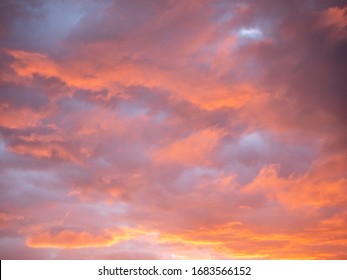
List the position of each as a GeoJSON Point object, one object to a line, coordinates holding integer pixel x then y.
{"type": "Point", "coordinates": [6, 219]}
{"type": "Point", "coordinates": [236, 240]}
{"type": "Point", "coordinates": [19, 118]}
{"type": "Point", "coordinates": [194, 149]}
{"type": "Point", "coordinates": [42, 150]}
{"type": "Point", "coordinates": [27, 64]}
{"type": "Point", "coordinates": [206, 92]}
{"type": "Point", "coordinates": [68, 239]}
{"type": "Point", "coordinates": [335, 17]}
{"type": "Point", "coordinates": [299, 191]}
{"type": "Point", "coordinates": [217, 130]}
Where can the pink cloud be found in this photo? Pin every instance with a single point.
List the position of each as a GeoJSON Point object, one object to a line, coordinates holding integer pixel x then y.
{"type": "Point", "coordinates": [194, 150]}
{"type": "Point", "coordinates": [173, 130]}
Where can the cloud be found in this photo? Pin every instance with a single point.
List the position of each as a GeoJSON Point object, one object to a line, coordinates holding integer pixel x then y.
{"type": "Point", "coordinates": [6, 219]}
{"type": "Point", "coordinates": [192, 150]}
{"type": "Point", "coordinates": [173, 130]}
{"type": "Point", "coordinates": [71, 239]}
{"type": "Point", "coordinates": [336, 18]}
{"type": "Point", "coordinates": [303, 191]}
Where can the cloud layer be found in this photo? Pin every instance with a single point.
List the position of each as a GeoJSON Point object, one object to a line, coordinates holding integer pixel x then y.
{"type": "Point", "coordinates": [173, 130]}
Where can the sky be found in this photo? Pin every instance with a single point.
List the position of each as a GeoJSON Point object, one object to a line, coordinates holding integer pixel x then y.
{"type": "Point", "coordinates": [173, 129]}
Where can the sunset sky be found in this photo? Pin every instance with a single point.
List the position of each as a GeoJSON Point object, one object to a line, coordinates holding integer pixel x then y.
{"type": "Point", "coordinates": [173, 129]}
